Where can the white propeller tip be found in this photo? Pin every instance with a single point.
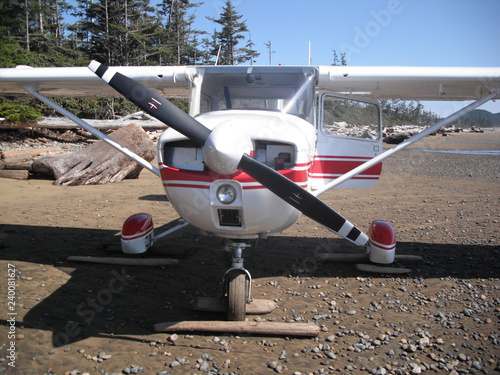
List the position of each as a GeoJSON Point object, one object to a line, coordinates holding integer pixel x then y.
{"type": "Point", "coordinates": [94, 65]}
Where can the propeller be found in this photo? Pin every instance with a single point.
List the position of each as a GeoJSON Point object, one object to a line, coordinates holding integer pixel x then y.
{"type": "Point", "coordinates": [227, 162]}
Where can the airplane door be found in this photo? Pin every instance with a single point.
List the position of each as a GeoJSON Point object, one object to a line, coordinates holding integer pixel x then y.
{"type": "Point", "coordinates": [349, 134]}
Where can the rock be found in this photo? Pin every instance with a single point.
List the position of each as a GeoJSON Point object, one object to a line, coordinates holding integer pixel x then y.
{"type": "Point", "coordinates": [173, 338]}
{"type": "Point", "coordinates": [397, 138]}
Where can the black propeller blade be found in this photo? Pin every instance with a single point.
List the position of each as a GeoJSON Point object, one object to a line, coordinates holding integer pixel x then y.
{"type": "Point", "coordinates": [153, 103]}
{"type": "Point", "coordinates": [301, 199]}
{"type": "Point", "coordinates": [160, 108]}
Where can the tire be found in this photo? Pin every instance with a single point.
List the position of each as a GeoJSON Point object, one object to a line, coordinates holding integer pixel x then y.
{"type": "Point", "coordinates": [237, 297]}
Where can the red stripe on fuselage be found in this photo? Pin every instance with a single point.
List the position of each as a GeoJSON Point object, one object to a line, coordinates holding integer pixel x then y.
{"type": "Point", "coordinates": [326, 166]}
{"type": "Point", "coordinates": [174, 177]}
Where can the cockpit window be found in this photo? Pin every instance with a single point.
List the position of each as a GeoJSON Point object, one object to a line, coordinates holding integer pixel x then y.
{"type": "Point", "coordinates": [290, 90]}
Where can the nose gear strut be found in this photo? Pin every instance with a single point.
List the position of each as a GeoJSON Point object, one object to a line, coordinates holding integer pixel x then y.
{"type": "Point", "coordinates": [237, 283]}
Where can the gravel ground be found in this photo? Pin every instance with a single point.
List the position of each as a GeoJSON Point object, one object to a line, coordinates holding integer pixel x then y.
{"type": "Point", "coordinates": [442, 318]}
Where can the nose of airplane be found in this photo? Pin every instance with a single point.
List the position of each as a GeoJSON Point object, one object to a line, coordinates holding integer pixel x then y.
{"type": "Point", "coordinates": [225, 147]}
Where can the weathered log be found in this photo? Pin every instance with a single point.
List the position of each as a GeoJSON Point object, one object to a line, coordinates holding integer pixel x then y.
{"type": "Point", "coordinates": [28, 153]}
{"type": "Point", "coordinates": [354, 258]}
{"type": "Point", "coordinates": [143, 119]}
{"type": "Point", "coordinates": [177, 251]}
{"type": "Point", "coordinates": [382, 269]}
{"type": "Point", "coordinates": [125, 261]}
{"type": "Point", "coordinates": [340, 258]}
{"type": "Point", "coordinates": [99, 163]}
{"type": "Point", "coordinates": [146, 121]}
{"type": "Point", "coordinates": [257, 306]}
{"type": "Point", "coordinates": [259, 328]}
{"type": "Point", "coordinates": [21, 163]}
{"type": "Point", "coordinates": [14, 174]}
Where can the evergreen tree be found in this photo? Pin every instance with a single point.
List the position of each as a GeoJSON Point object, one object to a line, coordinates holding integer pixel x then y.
{"type": "Point", "coordinates": [270, 51]}
{"type": "Point", "coordinates": [248, 52]}
{"type": "Point", "coordinates": [178, 42]}
{"type": "Point", "coordinates": [342, 61]}
{"type": "Point", "coordinates": [225, 42]}
{"type": "Point", "coordinates": [33, 32]}
{"type": "Point", "coordinates": [117, 32]}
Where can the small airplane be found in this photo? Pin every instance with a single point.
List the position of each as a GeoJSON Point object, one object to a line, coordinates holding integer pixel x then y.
{"type": "Point", "coordinates": [260, 143]}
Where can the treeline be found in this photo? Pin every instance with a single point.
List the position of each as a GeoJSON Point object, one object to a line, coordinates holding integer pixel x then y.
{"type": "Point", "coordinates": [116, 32]}
{"type": "Point", "coordinates": [131, 32]}
{"type": "Point", "coordinates": [119, 32]}
{"type": "Point", "coordinates": [398, 112]}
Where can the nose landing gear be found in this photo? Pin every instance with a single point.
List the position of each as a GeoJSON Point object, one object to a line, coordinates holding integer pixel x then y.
{"type": "Point", "coordinates": [237, 284]}
{"type": "Point", "coordinates": [237, 303]}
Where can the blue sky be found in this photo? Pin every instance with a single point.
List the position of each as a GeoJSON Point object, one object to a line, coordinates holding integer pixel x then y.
{"type": "Point", "coordinates": [371, 32]}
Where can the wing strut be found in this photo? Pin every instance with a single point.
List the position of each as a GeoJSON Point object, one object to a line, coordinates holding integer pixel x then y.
{"type": "Point", "coordinates": [370, 163]}
{"type": "Point", "coordinates": [94, 131]}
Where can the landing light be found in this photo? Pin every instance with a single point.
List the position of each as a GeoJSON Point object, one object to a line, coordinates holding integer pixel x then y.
{"type": "Point", "coordinates": [226, 194]}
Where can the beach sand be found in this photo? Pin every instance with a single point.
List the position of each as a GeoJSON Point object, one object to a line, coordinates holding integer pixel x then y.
{"type": "Point", "coordinates": [440, 318]}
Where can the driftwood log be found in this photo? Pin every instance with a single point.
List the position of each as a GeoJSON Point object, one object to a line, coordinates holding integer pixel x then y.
{"type": "Point", "coordinates": [259, 328]}
{"type": "Point", "coordinates": [28, 153]}
{"type": "Point", "coordinates": [21, 163]}
{"type": "Point", "coordinates": [125, 261]}
{"type": "Point", "coordinates": [99, 163]}
{"type": "Point", "coordinates": [14, 174]}
{"type": "Point", "coordinates": [354, 258]}
{"type": "Point", "coordinates": [257, 306]}
{"type": "Point", "coordinates": [16, 164]}
{"type": "Point", "coordinates": [382, 269]}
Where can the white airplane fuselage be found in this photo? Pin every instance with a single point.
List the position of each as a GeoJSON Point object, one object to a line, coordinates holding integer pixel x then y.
{"type": "Point", "coordinates": [274, 118]}
{"type": "Point", "coordinates": [281, 141]}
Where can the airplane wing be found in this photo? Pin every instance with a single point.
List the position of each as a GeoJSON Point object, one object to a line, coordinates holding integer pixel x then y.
{"type": "Point", "coordinates": [411, 83]}
{"type": "Point", "coordinates": [405, 83]}
{"type": "Point", "coordinates": [170, 81]}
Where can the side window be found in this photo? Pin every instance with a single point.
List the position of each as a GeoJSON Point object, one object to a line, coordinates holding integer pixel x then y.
{"type": "Point", "coordinates": [350, 118]}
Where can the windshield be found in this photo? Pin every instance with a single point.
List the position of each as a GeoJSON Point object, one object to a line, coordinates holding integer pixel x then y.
{"type": "Point", "coordinates": [286, 89]}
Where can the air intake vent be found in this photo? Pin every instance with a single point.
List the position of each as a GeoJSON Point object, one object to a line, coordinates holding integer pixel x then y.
{"type": "Point", "coordinates": [229, 217]}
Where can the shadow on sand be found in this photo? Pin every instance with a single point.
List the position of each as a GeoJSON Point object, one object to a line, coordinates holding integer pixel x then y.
{"type": "Point", "coordinates": [103, 300]}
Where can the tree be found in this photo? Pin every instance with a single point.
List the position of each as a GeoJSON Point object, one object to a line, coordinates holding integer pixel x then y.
{"type": "Point", "coordinates": [35, 25]}
{"type": "Point", "coordinates": [270, 51]}
{"type": "Point", "coordinates": [118, 32]}
{"type": "Point", "coordinates": [248, 52]}
{"type": "Point", "coordinates": [342, 61]}
{"type": "Point", "coordinates": [227, 40]}
{"type": "Point", "coordinates": [179, 39]}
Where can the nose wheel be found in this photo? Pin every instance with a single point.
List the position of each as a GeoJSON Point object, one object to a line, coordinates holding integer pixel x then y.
{"type": "Point", "coordinates": [236, 299]}
{"type": "Point", "coordinates": [237, 284]}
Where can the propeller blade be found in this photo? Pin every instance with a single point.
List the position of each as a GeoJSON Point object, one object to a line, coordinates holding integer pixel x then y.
{"type": "Point", "coordinates": [153, 103]}
{"type": "Point", "coordinates": [302, 200]}
{"type": "Point", "coordinates": [160, 108]}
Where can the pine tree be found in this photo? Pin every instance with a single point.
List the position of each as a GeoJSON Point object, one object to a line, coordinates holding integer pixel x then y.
{"type": "Point", "coordinates": [38, 28]}
{"type": "Point", "coordinates": [178, 41]}
{"type": "Point", "coordinates": [117, 32]}
{"type": "Point", "coordinates": [225, 42]}
{"type": "Point", "coordinates": [339, 62]}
